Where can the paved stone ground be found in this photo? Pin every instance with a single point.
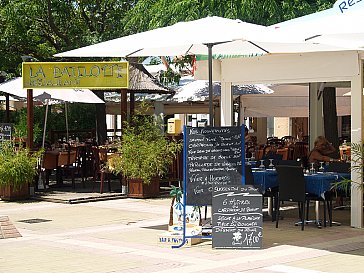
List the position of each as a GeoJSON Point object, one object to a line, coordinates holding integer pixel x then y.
{"type": "Point", "coordinates": [121, 236]}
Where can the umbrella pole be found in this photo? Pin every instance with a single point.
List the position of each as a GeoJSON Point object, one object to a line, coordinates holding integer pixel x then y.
{"type": "Point", "coordinates": [65, 110]}
{"type": "Point", "coordinates": [45, 123]}
{"type": "Point", "coordinates": [7, 108]}
{"type": "Point", "coordinates": [211, 111]}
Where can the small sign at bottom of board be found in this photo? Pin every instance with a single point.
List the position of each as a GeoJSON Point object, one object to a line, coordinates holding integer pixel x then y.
{"type": "Point", "coordinates": [237, 218]}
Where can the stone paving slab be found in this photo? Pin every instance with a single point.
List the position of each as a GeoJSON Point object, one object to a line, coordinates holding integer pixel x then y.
{"type": "Point", "coordinates": [7, 229]}
{"type": "Point", "coordinates": [121, 236]}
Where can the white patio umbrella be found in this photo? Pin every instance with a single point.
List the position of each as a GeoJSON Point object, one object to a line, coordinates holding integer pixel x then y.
{"type": "Point", "coordinates": [50, 96]}
{"type": "Point", "coordinates": [183, 38]}
{"type": "Point", "coordinates": [341, 25]}
{"type": "Point", "coordinates": [224, 36]}
{"type": "Point", "coordinates": [197, 90]}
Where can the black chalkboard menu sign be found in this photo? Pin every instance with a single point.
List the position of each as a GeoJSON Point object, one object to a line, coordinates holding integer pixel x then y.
{"type": "Point", "coordinates": [213, 157]}
{"type": "Point", "coordinates": [237, 218]}
{"type": "Point", "coordinates": [5, 131]}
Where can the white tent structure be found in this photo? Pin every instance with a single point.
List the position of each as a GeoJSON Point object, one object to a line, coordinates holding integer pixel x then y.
{"type": "Point", "coordinates": [288, 101]}
{"type": "Point", "coordinates": [313, 63]}
{"type": "Point", "coordinates": [339, 27]}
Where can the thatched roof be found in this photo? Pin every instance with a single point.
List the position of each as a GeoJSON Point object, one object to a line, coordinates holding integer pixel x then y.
{"type": "Point", "coordinates": [141, 81]}
{"type": "Point", "coordinates": [144, 85]}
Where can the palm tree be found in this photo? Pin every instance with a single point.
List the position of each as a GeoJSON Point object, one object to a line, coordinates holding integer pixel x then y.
{"type": "Point", "coordinates": [176, 194]}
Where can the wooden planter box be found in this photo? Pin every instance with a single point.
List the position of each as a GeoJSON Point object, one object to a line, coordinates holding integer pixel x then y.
{"type": "Point", "coordinates": [138, 189]}
{"type": "Point", "coordinates": [8, 193]}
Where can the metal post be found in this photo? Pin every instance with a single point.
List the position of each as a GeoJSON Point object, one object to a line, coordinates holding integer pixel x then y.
{"type": "Point", "coordinates": [7, 108]}
{"type": "Point", "coordinates": [45, 123]}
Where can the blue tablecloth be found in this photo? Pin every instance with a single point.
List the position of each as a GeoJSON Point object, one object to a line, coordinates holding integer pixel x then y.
{"type": "Point", "coordinates": [317, 183]}
{"type": "Point", "coordinates": [265, 179]}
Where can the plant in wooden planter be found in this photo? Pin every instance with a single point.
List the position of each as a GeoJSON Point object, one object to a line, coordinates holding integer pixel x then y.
{"type": "Point", "coordinates": [145, 155]}
{"type": "Point", "coordinates": [17, 170]}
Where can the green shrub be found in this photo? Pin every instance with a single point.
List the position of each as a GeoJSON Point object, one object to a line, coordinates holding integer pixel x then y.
{"type": "Point", "coordinates": [17, 165]}
{"type": "Point", "coordinates": [144, 150]}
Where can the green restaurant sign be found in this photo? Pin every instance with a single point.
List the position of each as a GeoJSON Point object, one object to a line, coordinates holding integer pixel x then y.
{"type": "Point", "coordinates": [75, 75]}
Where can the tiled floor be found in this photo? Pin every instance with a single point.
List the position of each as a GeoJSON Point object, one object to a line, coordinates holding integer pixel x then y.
{"type": "Point", "coordinates": [122, 236]}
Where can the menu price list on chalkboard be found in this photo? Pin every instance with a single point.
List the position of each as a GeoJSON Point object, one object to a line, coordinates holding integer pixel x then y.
{"type": "Point", "coordinates": [213, 157]}
{"type": "Point", "coordinates": [5, 131]}
{"type": "Point", "coordinates": [237, 218]}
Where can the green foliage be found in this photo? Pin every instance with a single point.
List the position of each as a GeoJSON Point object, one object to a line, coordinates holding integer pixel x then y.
{"type": "Point", "coordinates": [80, 116]}
{"type": "Point", "coordinates": [41, 28]}
{"type": "Point", "coordinates": [144, 151]}
{"type": "Point", "coordinates": [169, 77]}
{"type": "Point", "coordinates": [21, 129]}
{"type": "Point", "coordinates": [148, 14]}
{"type": "Point", "coordinates": [17, 165]}
{"type": "Point", "coordinates": [176, 193]}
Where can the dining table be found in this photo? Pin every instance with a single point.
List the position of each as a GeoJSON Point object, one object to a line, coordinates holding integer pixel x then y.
{"type": "Point", "coordinates": [317, 183]}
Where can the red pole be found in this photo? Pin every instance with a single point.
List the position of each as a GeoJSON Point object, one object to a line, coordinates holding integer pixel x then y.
{"type": "Point", "coordinates": [123, 106]}
{"type": "Point", "coordinates": [30, 118]}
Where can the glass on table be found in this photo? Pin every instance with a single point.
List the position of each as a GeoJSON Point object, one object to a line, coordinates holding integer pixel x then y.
{"type": "Point", "coordinates": [271, 165]}
{"type": "Point", "coordinates": [322, 168]}
{"type": "Point", "coordinates": [312, 169]}
{"type": "Point", "coordinates": [252, 157]}
{"type": "Point", "coordinates": [262, 164]}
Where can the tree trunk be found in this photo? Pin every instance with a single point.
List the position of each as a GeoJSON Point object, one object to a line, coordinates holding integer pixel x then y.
{"type": "Point", "coordinates": [101, 133]}
{"type": "Point", "coordinates": [330, 118]}
{"type": "Point", "coordinates": [171, 212]}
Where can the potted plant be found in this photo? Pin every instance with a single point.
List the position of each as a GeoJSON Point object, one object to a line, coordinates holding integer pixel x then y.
{"type": "Point", "coordinates": [18, 166]}
{"type": "Point", "coordinates": [145, 155]}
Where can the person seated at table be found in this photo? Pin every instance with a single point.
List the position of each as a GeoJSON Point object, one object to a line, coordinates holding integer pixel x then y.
{"type": "Point", "coordinates": [322, 151]}
{"type": "Point", "coordinates": [249, 147]}
{"type": "Point", "coordinates": [247, 137]}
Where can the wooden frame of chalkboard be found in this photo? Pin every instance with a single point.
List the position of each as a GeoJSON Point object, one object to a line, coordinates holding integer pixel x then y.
{"type": "Point", "coordinates": [5, 131]}
{"type": "Point", "coordinates": [211, 156]}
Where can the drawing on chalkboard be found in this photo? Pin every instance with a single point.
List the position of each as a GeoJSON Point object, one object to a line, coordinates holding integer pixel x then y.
{"type": "Point", "coordinates": [213, 158]}
{"type": "Point", "coordinates": [237, 238]}
{"type": "Point", "coordinates": [192, 219]}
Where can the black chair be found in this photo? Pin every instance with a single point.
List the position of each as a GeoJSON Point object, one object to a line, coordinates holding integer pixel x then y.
{"type": "Point", "coordinates": [287, 139]}
{"type": "Point", "coordinates": [341, 193]}
{"type": "Point", "coordinates": [288, 163]}
{"type": "Point", "coordinates": [339, 167]}
{"type": "Point", "coordinates": [249, 178]}
{"type": "Point", "coordinates": [292, 187]}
